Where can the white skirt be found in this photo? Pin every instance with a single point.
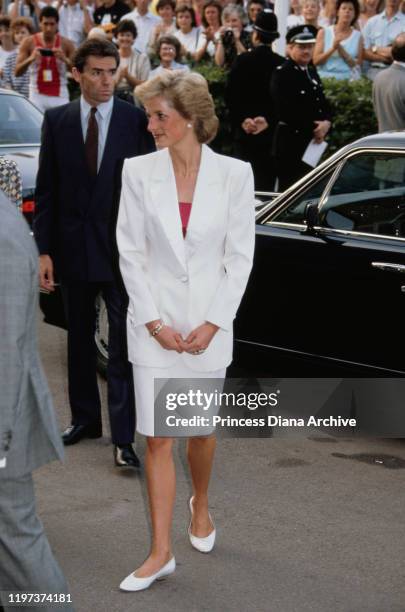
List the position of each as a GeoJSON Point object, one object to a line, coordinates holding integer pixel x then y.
{"type": "Point", "coordinates": [145, 392]}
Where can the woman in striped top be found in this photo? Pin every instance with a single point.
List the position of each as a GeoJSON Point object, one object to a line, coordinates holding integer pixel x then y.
{"type": "Point", "coordinates": [21, 28]}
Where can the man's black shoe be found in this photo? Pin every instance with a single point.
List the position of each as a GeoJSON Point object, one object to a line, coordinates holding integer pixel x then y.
{"type": "Point", "coordinates": [124, 456]}
{"type": "Point", "coordinates": [75, 433]}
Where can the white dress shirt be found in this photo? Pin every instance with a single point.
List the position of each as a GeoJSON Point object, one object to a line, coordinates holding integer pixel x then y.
{"type": "Point", "coordinates": [71, 23]}
{"type": "Point", "coordinates": [103, 117]}
{"type": "Point", "coordinates": [144, 25]}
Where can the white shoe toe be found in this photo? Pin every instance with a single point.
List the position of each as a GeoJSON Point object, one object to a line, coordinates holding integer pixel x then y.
{"type": "Point", "coordinates": [133, 583]}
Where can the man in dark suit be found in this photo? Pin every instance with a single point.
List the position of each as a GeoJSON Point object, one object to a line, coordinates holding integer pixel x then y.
{"type": "Point", "coordinates": [249, 102]}
{"type": "Point", "coordinates": [29, 435]}
{"type": "Point", "coordinates": [302, 110]}
{"type": "Point", "coordinates": [83, 147]}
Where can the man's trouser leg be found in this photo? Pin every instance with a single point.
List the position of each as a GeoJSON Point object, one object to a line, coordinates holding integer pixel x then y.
{"type": "Point", "coordinates": [121, 398]}
{"type": "Point", "coordinates": [84, 397]}
{"type": "Point", "coordinates": [27, 563]}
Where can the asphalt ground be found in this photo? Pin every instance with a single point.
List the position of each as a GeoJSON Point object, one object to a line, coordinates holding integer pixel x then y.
{"type": "Point", "coordinates": [301, 525]}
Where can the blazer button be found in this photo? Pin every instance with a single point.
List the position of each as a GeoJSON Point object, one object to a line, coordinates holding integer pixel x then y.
{"type": "Point", "coordinates": [184, 279]}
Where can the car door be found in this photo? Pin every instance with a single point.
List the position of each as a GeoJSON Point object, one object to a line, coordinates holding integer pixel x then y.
{"type": "Point", "coordinates": [334, 291]}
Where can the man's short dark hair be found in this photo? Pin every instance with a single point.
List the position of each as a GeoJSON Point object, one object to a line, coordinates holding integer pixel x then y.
{"type": "Point", "coordinates": [97, 47]}
{"type": "Point", "coordinates": [126, 25]}
{"type": "Point", "coordinates": [398, 48]}
{"type": "Point", "coordinates": [49, 12]}
{"type": "Point", "coordinates": [5, 21]}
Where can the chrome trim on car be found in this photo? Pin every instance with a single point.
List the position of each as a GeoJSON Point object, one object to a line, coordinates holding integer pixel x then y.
{"type": "Point", "coordinates": [351, 234]}
{"type": "Point", "coordinates": [270, 194]}
{"type": "Point", "coordinates": [284, 225]}
{"type": "Point", "coordinates": [318, 357]}
{"type": "Point", "coordinates": [19, 145]}
{"type": "Point", "coordinates": [388, 267]}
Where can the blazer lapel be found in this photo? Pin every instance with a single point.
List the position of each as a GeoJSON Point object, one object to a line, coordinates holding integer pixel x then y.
{"type": "Point", "coordinates": [163, 193]}
{"type": "Point", "coordinates": [206, 200]}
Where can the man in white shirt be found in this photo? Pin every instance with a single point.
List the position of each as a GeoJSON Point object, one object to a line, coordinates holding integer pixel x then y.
{"type": "Point", "coordinates": [379, 33]}
{"type": "Point", "coordinates": [74, 21]}
{"type": "Point", "coordinates": [145, 21]}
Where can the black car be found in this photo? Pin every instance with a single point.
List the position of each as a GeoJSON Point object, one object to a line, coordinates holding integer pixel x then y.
{"type": "Point", "coordinates": [327, 292]}
{"type": "Point", "coordinates": [20, 137]}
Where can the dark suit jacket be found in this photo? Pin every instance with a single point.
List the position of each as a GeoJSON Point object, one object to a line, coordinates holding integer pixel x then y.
{"type": "Point", "coordinates": [248, 87]}
{"type": "Point", "coordinates": [298, 100]}
{"type": "Point", "coordinates": [76, 214]}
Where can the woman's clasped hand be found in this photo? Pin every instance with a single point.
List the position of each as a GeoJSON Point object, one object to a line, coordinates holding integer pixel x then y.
{"type": "Point", "coordinates": [195, 343]}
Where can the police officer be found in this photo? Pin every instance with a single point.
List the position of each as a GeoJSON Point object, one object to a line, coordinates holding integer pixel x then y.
{"type": "Point", "coordinates": [302, 110]}
{"type": "Point", "coordinates": [249, 102]}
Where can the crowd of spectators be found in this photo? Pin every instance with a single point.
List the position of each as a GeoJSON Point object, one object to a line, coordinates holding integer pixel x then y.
{"type": "Point", "coordinates": [210, 31]}
{"type": "Point", "coordinates": [348, 40]}
{"type": "Point", "coordinates": [354, 36]}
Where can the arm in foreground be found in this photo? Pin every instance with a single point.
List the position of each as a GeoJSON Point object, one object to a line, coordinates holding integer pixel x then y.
{"type": "Point", "coordinates": [15, 301]}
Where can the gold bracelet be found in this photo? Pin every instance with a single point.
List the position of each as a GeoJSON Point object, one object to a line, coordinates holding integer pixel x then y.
{"type": "Point", "coordinates": [156, 330]}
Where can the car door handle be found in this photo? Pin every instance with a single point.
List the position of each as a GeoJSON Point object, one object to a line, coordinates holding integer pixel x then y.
{"type": "Point", "coordinates": [388, 267]}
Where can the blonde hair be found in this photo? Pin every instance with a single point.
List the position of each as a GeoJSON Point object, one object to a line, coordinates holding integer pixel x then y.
{"type": "Point", "coordinates": [188, 94]}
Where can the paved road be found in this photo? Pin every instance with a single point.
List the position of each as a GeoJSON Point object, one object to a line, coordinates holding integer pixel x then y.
{"type": "Point", "coordinates": [299, 529]}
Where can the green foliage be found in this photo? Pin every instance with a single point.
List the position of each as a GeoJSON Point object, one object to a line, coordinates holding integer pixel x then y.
{"type": "Point", "coordinates": [351, 101]}
{"type": "Point", "coordinates": [353, 113]}
{"type": "Point", "coordinates": [216, 78]}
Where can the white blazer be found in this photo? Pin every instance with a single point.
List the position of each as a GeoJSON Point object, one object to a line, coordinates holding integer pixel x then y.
{"type": "Point", "coordinates": [185, 281]}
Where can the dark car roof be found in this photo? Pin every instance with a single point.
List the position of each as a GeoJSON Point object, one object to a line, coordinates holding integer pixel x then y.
{"type": "Point", "coordinates": [384, 140]}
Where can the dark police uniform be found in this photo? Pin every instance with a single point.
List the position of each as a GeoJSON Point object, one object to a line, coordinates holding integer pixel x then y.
{"type": "Point", "coordinates": [248, 95]}
{"type": "Point", "coordinates": [298, 100]}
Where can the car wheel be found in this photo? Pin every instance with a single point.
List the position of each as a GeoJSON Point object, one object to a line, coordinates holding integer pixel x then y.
{"type": "Point", "coordinates": [101, 336]}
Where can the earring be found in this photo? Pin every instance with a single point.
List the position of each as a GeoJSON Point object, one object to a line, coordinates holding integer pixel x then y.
{"type": "Point", "coordinates": [189, 125]}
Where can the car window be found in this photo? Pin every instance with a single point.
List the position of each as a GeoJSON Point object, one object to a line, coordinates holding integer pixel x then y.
{"type": "Point", "coordinates": [20, 121]}
{"type": "Point", "coordinates": [368, 196]}
{"type": "Point", "coordinates": [295, 211]}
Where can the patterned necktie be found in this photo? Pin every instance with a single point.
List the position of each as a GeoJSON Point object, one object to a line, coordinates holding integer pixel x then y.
{"type": "Point", "coordinates": [91, 144]}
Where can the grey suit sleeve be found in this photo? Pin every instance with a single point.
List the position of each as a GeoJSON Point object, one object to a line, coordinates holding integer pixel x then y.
{"type": "Point", "coordinates": [16, 277]}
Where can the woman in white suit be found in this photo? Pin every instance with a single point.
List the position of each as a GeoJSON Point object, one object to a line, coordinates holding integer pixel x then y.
{"type": "Point", "coordinates": [185, 236]}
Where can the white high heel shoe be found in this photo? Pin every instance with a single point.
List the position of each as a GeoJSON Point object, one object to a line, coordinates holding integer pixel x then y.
{"type": "Point", "coordinates": [204, 545]}
{"type": "Point", "coordinates": [133, 583]}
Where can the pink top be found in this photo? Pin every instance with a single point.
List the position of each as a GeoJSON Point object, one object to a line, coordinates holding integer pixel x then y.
{"type": "Point", "coordinates": [185, 210]}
